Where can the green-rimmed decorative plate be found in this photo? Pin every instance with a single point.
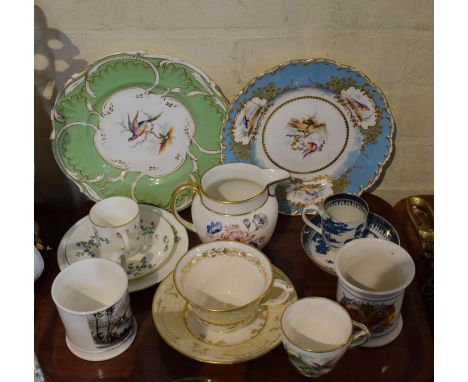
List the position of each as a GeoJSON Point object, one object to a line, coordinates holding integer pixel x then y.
{"type": "Point", "coordinates": [326, 124]}
{"type": "Point", "coordinates": [137, 125]}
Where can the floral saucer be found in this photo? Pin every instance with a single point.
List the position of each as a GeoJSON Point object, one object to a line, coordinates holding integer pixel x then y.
{"type": "Point", "coordinates": [324, 256]}
{"type": "Point", "coordinates": [179, 330]}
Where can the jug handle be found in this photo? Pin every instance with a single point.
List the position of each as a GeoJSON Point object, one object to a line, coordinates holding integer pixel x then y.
{"type": "Point", "coordinates": [184, 186]}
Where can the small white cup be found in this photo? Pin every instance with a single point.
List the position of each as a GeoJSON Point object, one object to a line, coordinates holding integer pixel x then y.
{"type": "Point", "coordinates": [92, 300]}
{"type": "Point", "coordinates": [372, 277]}
{"type": "Point", "coordinates": [316, 332]}
{"type": "Point", "coordinates": [116, 221]}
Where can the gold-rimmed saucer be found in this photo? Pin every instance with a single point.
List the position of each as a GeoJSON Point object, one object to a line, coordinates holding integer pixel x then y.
{"type": "Point", "coordinates": [170, 318]}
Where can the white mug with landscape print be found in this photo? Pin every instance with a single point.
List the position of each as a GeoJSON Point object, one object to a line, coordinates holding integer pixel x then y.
{"type": "Point", "coordinates": [92, 300]}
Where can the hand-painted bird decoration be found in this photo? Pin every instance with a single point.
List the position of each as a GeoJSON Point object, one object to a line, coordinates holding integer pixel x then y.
{"type": "Point", "coordinates": [306, 125]}
{"type": "Point", "coordinates": [138, 128]}
{"type": "Point", "coordinates": [165, 140]}
{"type": "Point", "coordinates": [311, 147]}
{"type": "Point", "coordinates": [358, 107]}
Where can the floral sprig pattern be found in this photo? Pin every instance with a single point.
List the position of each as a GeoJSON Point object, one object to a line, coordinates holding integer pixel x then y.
{"type": "Point", "coordinates": [166, 242]}
{"type": "Point", "coordinates": [147, 230]}
{"type": "Point", "coordinates": [136, 269]}
{"type": "Point", "coordinates": [234, 232]}
{"type": "Point", "coordinates": [87, 247]}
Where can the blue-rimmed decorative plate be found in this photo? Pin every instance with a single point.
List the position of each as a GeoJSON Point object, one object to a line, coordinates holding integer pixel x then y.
{"type": "Point", "coordinates": [325, 123]}
{"type": "Point", "coordinates": [324, 256]}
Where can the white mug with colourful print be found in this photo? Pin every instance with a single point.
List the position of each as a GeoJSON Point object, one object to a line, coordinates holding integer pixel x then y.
{"type": "Point", "coordinates": [116, 222]}
{"type": "Point", "coordinates": [316, 332]}
{"type": "Point", "coordinates": [92, 300]}
{"type": "Point", "coordinates": [344, 218]}
{"type": "Point", "coordinates": [372, 277]}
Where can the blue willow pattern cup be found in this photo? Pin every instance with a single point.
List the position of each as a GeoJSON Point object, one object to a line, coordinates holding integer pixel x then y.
{"type": "Point", "coordinates": [344, 218]}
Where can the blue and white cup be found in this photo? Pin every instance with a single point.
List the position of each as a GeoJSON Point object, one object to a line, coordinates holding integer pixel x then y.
{"type": "Point", "coordinates": [344, 218]}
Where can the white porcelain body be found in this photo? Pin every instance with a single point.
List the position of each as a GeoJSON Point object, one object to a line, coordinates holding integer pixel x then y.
{"type": "Point", "coordinates": [225, 282]}
{"type": "Point", "coordinates": [344, 218]}
{"type": "Point", "coordinates": [316, 333]}
{"type": "Point", "coordinates": [248, 215]}
{"type": "Point", "coordinates": [38, 264]}
{"type": "Point", "coordinates": [116, 221]}
{"type": "Point", "coordinates": [93, 303]}
{"type": "Point", "coordinates": [372, 277]}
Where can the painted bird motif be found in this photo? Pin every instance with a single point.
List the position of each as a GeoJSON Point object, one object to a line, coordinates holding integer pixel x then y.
{"type": "Point", "coordinates": [306, 125]}
{"type": "Point", "coordinates": [138, 128]}
{"type": "Point", "coordinates": [165, 140]}
{"type": "Point", "coordinates": [311, 147]}
{"type": "Point", "coordinates": [358, 107]}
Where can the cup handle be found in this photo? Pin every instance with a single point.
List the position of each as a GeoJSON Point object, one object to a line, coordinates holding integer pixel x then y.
{"type": "Point", "coordinates": [287, 289]}
{"type": "Point", "coordinates": [184, 186]}
{"type": "Point", "coordinates": [357, 338]}
{"type": "Point", "coordinates": [119, 258]}
{"type": "Point", "coordinates": [312, 208]}
{"type": "Point", "coordinates": [126, 242]}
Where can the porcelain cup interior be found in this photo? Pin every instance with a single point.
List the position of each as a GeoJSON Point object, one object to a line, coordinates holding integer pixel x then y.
{"type": "Point", "coordinates": [225, 283]}
{"type": "Point", "coordinates": [113, 212]}
{"type": "Point", "coordinates": [316, 324]}
{"type": "Point", "coordinates": [223, 276]}
{"type": "Point", "coordinates": [346, 208]}
{"type": "Point", "coordinates": [89, 286]}
{"type": "Point", "coordinates": [374, 267]}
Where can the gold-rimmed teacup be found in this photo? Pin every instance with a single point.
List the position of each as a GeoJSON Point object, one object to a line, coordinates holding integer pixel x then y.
{"type": "Point", "coordinates": [225, 282]}
{"type": "Point", "coordinates": [316, 332]}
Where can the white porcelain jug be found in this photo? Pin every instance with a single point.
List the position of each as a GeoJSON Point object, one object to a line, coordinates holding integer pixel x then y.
{"type": "Point", "coordinates": [234, 201]}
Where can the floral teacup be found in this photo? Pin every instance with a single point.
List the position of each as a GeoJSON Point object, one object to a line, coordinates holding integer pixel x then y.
{"type": "Point", "coordinates": [317, 332]}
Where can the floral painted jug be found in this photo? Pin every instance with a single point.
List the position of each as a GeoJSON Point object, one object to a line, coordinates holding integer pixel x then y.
{"type": "Point", "coordinates": [235, 202]}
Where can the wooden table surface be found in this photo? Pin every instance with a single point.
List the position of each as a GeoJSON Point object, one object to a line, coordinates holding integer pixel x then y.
{"type": "Point", "coordinates": [149, 358]}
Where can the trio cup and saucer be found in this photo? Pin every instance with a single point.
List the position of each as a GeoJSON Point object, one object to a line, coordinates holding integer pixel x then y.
{"type": "Point", "coordinates": [145, 240]}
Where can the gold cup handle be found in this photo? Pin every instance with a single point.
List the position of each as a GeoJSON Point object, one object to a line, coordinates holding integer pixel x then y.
{"type": "Point", "coordinates": [184, 186]}
{"type": "Point", "coordinates": [287, 290]}
{"type": "Point", "coordinates": [361, 337]}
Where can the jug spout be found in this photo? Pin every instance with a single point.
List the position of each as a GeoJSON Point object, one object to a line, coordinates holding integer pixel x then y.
{"type": "Point", "coordinates": [271, 178]}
